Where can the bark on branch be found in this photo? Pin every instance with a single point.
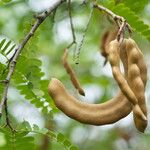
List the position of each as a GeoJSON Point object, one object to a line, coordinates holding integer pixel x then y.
{"type": "Point", "coordinates": [12, 64]}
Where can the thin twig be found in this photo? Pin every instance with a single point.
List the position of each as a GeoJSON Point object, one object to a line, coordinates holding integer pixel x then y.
{"type": "Point", "coordinates": [70, 44]}
{"type": "Point", "coordinates": [107, 11]}
{"type": "Point", "coordinates": [83, 37]}
{"type": "Point", "coordinates": [66, 64]}
{"type": "Point", "coordinates": [7, 117]}
{"type": "Point", "coordinates": [40, 19]}
{"type": "Point", "coordinates": [72, 29]}
{"type": "Point", "coordinates": [71, 22]}
{"type": "Point", "coordinates": [72, 26]}
{"type": "Point", "coordinates": [72, 74]}
{"type": "Point", "coordinates": [121, 30]}
{"type": "Point", "coordinates": [120, 21]}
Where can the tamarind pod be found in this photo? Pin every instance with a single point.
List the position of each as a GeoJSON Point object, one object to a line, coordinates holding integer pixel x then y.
{"type": "Point", "coordinates": [137, 82]}
{"type": "Point", "coordinates": [139, 89]}
{"type": "Point", "coordinates": [71, 73]}
{"type": "Point", "coordinates": [94, 114]}
{"type": "Point", "coordinates": [123, 58]}
{"type": "Point", "coordinates": [138, 72]}
{"type": "Point", "coordinates": [140, 62]}
{"type": "Point", "coordinates": [143, 69]}
{"type": "Point", "coordinates": [138, 77]}
{"type": "Point", "coordinates": [104, 43]}
{"type": "Point", "coordinates": [107, 37]}
{"type": "Point", "coordinates": [113, 57]}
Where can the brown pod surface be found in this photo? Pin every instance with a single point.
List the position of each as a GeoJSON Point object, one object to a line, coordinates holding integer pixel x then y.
{"type": "Point", "coordinates": [94, 114]}
{"type": "Point", "coordinates": [113, 51]}
{"type": "Point", "coordinates": [137, 75]}
{"type": "Point", "coordinates": [71, 73]}
{"type": "Point", "coordinates": [107, 37]}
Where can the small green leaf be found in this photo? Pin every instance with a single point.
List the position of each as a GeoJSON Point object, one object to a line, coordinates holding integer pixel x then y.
{"type": "Point", "coordinates": [67, 143]}
{"type": "Point", "coordinates": [26, 125]}
{"type": "Point", "coordinates": [52, 134]}
{"type": "Point", "coordinates": [6, 46]}
{"type": "Point", "coordinates": [74, 148]}
{"type": "Point", "coordinates": [2, 43]}
{"type": "Point", "coordinates": [6, 1]}
{"type": "Point", "coordinates": [21, 134]}
{"type": "Point", "coordinates": [10, 49]}
{"type": "Point", "coordinates": [30, 85]}
{"type": "Point", "coordinates": [35, 127]}
{"type": "Point", "coordinates": [60, 137]}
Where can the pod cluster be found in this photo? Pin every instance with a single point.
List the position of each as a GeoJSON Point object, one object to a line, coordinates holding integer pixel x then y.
{"type": "Point", "coordinates": [130, 97]}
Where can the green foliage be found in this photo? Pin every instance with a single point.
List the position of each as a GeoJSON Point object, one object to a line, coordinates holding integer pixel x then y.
{"type": "Point", "coordinates": [136, 6]}
{"type": "Point", "coordinates": [6, 47]}
{"type": "Point", "coordinates": [21, 140]}
{"type": "Point", "coordinates": [27, 79]}
{"type": "Point", "coordinates": [132, 18]}
{"type": "Point", "coordinates": [17, 140]}
{"type": "Point", "coordinates": [3, 3]}
{"type": "Point", "coordinates": [31, 82]}
{"type": "Point", "coordinates": [28, 76]}
{"type": "Point", "coordinates": [6, 1]}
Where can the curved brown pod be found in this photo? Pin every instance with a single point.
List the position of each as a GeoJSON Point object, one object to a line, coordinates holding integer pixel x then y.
{"type": "Point", "coordinates": [107, 37]}
{"type": "Point", "coordinates": [137, 79]}
{"type": "Point", "coordinates": [113, 51]}
{"type": "Point", "coordinates": [94, 114]}
{"type": "Point", "coordinates": [71, 73]}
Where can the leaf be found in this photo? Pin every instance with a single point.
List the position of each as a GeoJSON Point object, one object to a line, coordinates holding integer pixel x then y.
{"type": "Point", "coordinates": [136, 6]}
{"type": "Point", "coordinates": [12, 48]}
{"type": "Point", "coordinates": [18, 140]}
{"type": "Point", "coordinates": [26, 125]}
{"type": "Point", "coordinates": [2, 43]}
{"type": "Point", "coordinates": [52, 134]}
{"type": "Point", "coordinates": [27, 78]}
{"type": "Point", "coordinates": [60, 137]}
{"type": "Point", "coordinates": [6, 1]}
{"type": "Point", "coordinates": [67, 143]}
{"type": "Point", "coordinates": [74, 148]}
{"type": "Point", "coordinates": [35, 127]}
{"type": "Point", "coordinates": [21, 139]}
{"type": "Point", "coordinates": [6, 46]}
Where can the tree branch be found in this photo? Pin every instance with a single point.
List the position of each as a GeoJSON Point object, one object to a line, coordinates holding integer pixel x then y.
{"type": "Point", "coordinates": [71, 24]}
{"type": "Point", "coordinates": [121, 21]}
{"type": "Point", "coordinates": [40, 19]}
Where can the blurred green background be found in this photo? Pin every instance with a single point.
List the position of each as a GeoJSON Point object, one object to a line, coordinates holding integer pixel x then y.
{"type": "Point", "coordinates": [47, 45]}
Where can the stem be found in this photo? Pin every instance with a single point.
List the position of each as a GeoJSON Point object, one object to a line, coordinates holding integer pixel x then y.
{"type": "Point", "coordinates": [71, 22]}
{"type": "Point", "coordinates": [120, 21]}
{"type": "Point", "coordinates": [83, 36]}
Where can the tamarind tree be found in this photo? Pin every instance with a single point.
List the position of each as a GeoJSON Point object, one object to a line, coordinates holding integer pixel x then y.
{"type": "Point", "coordinates": [70, 58]}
